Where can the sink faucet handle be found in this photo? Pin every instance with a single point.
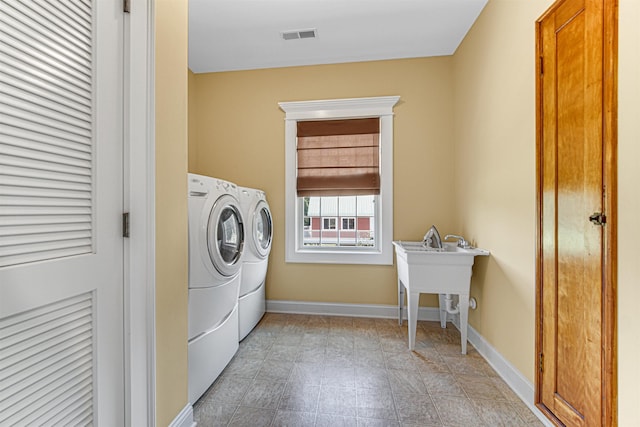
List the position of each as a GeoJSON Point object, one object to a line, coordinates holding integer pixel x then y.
{"type": "Point", "coordinates": [462, 242]}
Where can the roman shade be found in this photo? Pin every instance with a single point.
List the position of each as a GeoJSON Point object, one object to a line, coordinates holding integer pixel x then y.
{"type": "Point", "coordinates": [338, 157]}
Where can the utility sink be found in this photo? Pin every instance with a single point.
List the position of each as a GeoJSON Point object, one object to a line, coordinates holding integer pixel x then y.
{"type": "Point", "coordinates": [445, 272]}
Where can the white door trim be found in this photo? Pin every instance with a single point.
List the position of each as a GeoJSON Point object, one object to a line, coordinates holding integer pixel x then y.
{"type": "Point", "coordinates": [140, 200]}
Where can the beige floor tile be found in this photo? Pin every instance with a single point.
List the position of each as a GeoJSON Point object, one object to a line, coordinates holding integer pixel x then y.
{"type": "Point", "coordinates": [213, 413]}
{"type": "Point", "coordinates": [508, 393]}
{"type": "Point", "coordinates": [337, 401]}
{"type": "Point", "coordinates": [372, 377]}
{"type": "Point", "coordinates": [480, 387]}
{"type": "Point", "coordinates": [332, 420]}
{"type": "Point", "coordinates": [300, 398]}
{"type": "Point", "coordinates": [497, 413]}
{"type": "Point", "coordinates": [243, 367]}
{"type": "Point", "coordinates": [228, 390]}
{"type": "Point", "coordinates": [416, 409]}
{"type": "Point", "coordinates": [294, 419]}
{"type": "Point", "coordinates": [467, 365]}
{"type": "Point", "coordinates": [525, 413]}
{"type": "Point", "coordinates": [274, 370]}
{"type": "Point", "coordinates": [400, 361]}
{"type": "Point", "coordinates": [375, 422]}
{"type": "Point", "coordinates": [457, 412]}
{"type": "Point", "coordinates": [369, 358]}
{"type": "Point", "coordinates": [375, 403]}
{"type": "Point", "coordinates": [341, 342]}
{"type": "Point", "coordinates": [339, 357]}
{"type": "Point", "coordinates": [362, 343]}
{"type": "Point", "coordinates": [443, 384]}
{"type": "Point", "coordinates": [339, 376]}
{"type": "Point", "coordinates": [283, 352]}
{"type": "Point", "coordinates": [254, 417]}
{"type": "Point", "coordinates": [312, 354]}
{"type": "Point", "coordinates": [406, 381]}
{"type": "Point", "coordinates": [306, 374]}
{"type": "Point", "coordinates": [394, 345]}
{"type": "Point", "coordinates": [263, 394]}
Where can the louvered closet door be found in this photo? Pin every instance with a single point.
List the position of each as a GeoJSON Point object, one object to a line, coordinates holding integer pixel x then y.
{"type": "Point", "coordinates": [61, 245]}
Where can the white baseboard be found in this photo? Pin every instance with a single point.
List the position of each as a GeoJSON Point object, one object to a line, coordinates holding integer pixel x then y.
{"type": "Point", "coordinates": [353, 310]}
{"type": "Point", "coordinates": [184, 418]}
{"type": "Point", "coordinates": [514, 378]}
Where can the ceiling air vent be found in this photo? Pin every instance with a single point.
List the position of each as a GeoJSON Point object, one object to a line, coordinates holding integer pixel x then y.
{"type": "Point", "coordinates": [299, 34]}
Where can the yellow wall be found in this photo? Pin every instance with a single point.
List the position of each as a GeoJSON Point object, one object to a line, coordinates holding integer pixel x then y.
{"type": "Point", "coordinates": [628, 213]}
{"type": "Point", "coordinates": [240, 137]}
{"type": "Point", "coordinates": [171, 208]}
{"type": "Point", "coordinates": [494, 123]}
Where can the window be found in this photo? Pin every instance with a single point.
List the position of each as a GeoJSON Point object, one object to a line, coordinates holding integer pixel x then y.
{"type": "Point", "coordinates": [333, 216]}
{"type": "Point", "coordinates": [329, 223]}
{"type": "Point", "coordinates": [348, 223]}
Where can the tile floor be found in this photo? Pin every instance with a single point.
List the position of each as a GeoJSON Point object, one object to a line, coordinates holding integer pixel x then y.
{"type": "Point", "coordinates": [301, 370]}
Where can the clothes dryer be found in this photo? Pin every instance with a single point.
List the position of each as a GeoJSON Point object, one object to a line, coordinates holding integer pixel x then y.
{"type": "Point", "coordinates": [252, 305]}
{"type": "Point", "coordinates": [216, 243]}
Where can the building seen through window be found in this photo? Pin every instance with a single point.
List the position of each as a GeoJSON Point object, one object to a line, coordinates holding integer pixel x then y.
{"type": "Point", "coordinates": [355, 216]}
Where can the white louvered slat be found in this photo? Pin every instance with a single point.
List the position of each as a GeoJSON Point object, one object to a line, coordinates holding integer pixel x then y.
{"type": "Point", "coordinates": [75, 386]}
{"type": "Point", "coordinates": [37, 62]}
{"type": "Point", "coordinates": [46, 130]}
{"type": "Point", "coordinates": [24, 153]}
{"type": "Point", "coordinates": [35, 220]}
{"type": "Point", "coordinates": [42, 16]}
{"type": "Point", "coordinates": [41, 104]}
{"type": "Point", "coordinates": [56, 368]}
{"type": "Point", "coordinates": [28, 173]}
{"type": "Point", "coordinates": [43, 119]}
{"type": "Point", "coordinates": [46, 363]}
{"type": "Point", "coordinates": [82, 416]}
{"type": "Point", "coordinates": [51, 210]}
{"type": "Point", "coordinates": [19, 41]}
{"type": "Point", "coordinates": [15, 19]}
{"type": "Point", "coordinates": [28, 182]}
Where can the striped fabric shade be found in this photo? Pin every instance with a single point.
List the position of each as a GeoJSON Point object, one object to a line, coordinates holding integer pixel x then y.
{"type": "Point", "coordinates": [338, 157]}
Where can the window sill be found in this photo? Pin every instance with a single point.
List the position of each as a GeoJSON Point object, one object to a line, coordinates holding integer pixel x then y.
{"type": "Point", "coordinates": [341, 256]}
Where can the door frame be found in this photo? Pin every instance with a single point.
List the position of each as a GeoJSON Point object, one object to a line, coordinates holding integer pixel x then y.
{"type": "Point", "coordinates": [139, 201]}
{"type": "Point", "coordinates": [610, 203]}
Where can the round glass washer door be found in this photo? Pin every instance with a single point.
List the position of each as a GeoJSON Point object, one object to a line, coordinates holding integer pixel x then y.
{"type": "Point", "coordinates": [262, 229]}
{"type": "Point", "coordinates": [225, 236]}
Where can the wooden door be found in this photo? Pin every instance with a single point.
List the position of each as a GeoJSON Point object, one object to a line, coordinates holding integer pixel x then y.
{"type": "Point", "coordinates": [576, 217]}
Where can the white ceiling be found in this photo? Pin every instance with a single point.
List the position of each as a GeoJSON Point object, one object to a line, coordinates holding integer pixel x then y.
{"type": "Point", "coordinates": [227, 35]}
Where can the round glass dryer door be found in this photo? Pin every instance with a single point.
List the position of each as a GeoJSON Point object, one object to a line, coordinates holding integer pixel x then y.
{"type": "Point", "coordinates": [263, 229]}
{"type": "Point", "coordinates": [225, 237]}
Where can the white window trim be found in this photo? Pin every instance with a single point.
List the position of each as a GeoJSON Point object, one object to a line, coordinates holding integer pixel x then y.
{"type": "Point", "coordinates": [381, 107]}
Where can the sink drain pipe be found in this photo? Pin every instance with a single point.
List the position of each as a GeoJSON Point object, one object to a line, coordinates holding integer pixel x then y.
{"type": "Point", "coordinates": [451, 309]}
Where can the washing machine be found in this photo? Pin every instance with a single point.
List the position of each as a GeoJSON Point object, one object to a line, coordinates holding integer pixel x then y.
{"type": "Point", "coordinates": [216, 243]}
{"type": "Point", "coordinates": [259, 227]}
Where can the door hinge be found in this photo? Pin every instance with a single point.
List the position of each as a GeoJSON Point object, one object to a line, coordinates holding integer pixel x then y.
{"type": "Point", "coordinates": [541, 362]}
{"type": "Point", "coordinates": [126, 6]}
{"type": "Point", "coordinates": [125, 224]}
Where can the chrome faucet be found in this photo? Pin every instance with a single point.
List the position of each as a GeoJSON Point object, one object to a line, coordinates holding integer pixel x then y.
{"type": "Point", "coordinates": [462, 243]}
{"type": "Point", "coordinates": [432, 238]}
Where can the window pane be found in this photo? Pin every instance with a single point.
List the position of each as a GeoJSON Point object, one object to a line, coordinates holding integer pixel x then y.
{"type": "Point", "coordinates": [340, 221]}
